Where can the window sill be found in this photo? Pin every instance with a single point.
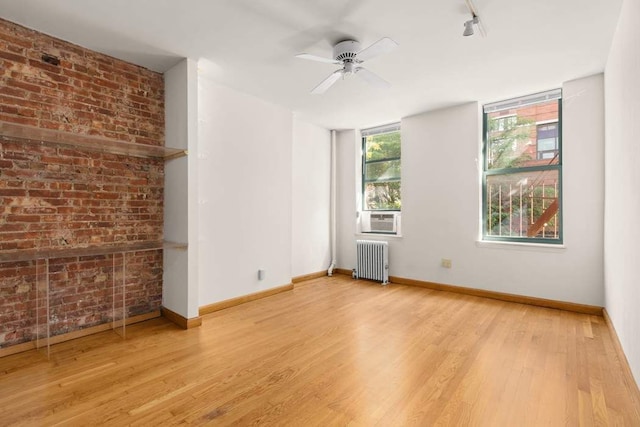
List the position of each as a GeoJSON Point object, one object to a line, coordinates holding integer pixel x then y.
{"type": "Point", "coordinates": [540, 247]}
{"type": "Point", "coordinates": [378, 236]}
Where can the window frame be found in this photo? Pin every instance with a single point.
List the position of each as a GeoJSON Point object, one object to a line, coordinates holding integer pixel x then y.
{"type": "Point", "coordinates": [379, 130]}
{"type": "Point", "coordinates": [486, 172]}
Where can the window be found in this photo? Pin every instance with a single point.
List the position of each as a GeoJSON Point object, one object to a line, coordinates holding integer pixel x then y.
{"type": "Point", "coordinates": [381, 168]}
{"type": "Point", "coordinates": [505, 122]}
{"type": "Point", "coordinates": [547, 141]}
{"type": "Point", "coordinates": [522, 175]}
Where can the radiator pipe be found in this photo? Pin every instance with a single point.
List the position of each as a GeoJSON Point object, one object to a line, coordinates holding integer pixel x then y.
{"type": "Point", "coordinates": [332, 208]}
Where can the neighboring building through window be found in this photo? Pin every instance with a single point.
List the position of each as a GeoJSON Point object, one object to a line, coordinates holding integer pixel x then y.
{"type": "Point", "coordinates": [547, 140]}
{"type": "Point", "coordinates": [522, 176]}
{"type": "Point", "coordinates": [381, 162]}
{"type": "Point", "coordinates": [505, 122]}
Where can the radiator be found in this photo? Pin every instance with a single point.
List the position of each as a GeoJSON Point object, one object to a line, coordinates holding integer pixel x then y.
{"type": "Point", "coordinates": [372, 260]}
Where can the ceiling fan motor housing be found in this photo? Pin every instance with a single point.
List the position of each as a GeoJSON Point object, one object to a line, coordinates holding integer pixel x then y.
{"type": "Point", "coordinates": [346, 50]}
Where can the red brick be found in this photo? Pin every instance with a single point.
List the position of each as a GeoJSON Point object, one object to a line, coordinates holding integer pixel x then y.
{"type": "Point", "coordinates": [26, 86]}
{"type": "Point", "coordinates": [23, 218]}
{"type": "Point", "coordinates": [16, 40]}
{"type": "Point", "coordinates": [13, 57]}
{"type": "Point", "coordinates": [13, 192]}
{"type": "Point", "coordinates": [9, 109]}
{"type": "Point", "coordinates": [11, 91]}
{"type": "Point", "coordinates": [17, 119]}
{"type": "Point", "coordinates": [38, 81]}
{"type": "Point", "coordinates": [11, 227]}
{"type": "Point", "coordinates": [61, 197]}
{"type": "Point", "coordinates": [49, 68]}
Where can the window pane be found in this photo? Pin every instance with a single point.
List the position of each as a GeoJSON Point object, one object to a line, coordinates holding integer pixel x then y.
{"type": "Point", "coordinates": [383, 171]}
{"type": "Point", "coordinates": [382, 195]}
{"type": "Point", "coordinates": [547, 144]}
{"type": "Point", "coordinates": [382, 146]}
{"type": "Point", "coordinates": [548, 131]}
{"type": "Point", "coordinates": [551, 155]}
{"type": "Point", "coordinates": [523, 205]}
{"type": "Point", "coordinates": [513, 137]}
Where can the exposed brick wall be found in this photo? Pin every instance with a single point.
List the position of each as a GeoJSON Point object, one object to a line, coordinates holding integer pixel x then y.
{"type": "Point", "coordinates": [53, 197]}
{"type": "Point", "coordinates": [87, 93]}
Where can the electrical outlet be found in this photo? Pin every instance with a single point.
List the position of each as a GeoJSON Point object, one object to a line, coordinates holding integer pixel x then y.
{"type": "Point", "coordinates": [445, 262]}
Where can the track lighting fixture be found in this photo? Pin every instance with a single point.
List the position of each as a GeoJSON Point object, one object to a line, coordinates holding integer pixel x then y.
{"type": "Point", "coordinates": [468, 26]}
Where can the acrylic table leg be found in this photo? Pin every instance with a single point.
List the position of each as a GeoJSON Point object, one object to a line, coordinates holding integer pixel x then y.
{"type": "Point", "coordinates": [46, 273]}
{"type": "Point", "coordinates": [118, 295]}
{"type": "Point", "coordinates": [124, 287]}
{"type": "Point", "coordinates": [117, 292]}
{"type": "Point", "coordinates": [43, 330]}
{"type": "Point", "coordinates": [113, 291]}
{"type": "Point", "coordinates": [38, 302]}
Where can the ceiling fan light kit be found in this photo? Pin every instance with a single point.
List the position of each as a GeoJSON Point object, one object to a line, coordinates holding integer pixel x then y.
{"type": "Point", "coordinates": [349, 54]}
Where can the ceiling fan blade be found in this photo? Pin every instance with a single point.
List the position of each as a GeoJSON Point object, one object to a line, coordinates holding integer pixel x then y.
{"type": "Point", "coordinates": [384, 45]}
{"type": "Point", "coordinates": [317, 58]}
{"type": "Point", "coordinates": [327, 83]}
{"type": "Point", "coordinates": [371, 78]}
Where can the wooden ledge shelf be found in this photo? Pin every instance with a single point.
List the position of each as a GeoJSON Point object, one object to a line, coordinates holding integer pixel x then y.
{"type": "Point", "coordinates": [37, 135]}
{"type": "Point", "coordinates": [48, 253]}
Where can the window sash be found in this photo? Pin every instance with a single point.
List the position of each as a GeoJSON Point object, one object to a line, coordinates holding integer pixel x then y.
{"type": "Point", "coordinates": [378, 181]}
{"type": "Point", "coordinates": [535, 240]}
{"type": "Point", "coordinates": [386, 159]}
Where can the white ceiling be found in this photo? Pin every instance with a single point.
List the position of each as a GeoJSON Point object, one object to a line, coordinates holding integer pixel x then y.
{"type": "Point", "coordinates": [249, 45]}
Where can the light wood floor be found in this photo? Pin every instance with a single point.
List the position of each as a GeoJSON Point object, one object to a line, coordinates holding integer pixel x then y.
{"type": "Point", "coordinates": [333, 352]}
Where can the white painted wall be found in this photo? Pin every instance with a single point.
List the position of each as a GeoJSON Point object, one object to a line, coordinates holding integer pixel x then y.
{"type": "Point", "coordinates": [622, 202]}
{"type": "Point", "coordinates": [244, 176]}
{"type": "Point", "coordinates": [180, 281]}
{"type": "Point", "coordinates": [311, 170]}
{"type": "Point", "coordinates": [441, 206]}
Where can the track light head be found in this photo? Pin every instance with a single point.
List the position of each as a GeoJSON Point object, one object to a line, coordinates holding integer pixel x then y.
{"type": "Point", "coordinates": [468, 26]}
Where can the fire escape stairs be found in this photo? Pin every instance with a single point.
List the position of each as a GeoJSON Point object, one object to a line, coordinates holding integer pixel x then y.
{"type": "Point", "coordinates": [551, 210]}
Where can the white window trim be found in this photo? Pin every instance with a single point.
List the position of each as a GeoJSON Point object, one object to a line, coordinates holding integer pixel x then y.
{"type": "Point", "coordinates": [523, 246]}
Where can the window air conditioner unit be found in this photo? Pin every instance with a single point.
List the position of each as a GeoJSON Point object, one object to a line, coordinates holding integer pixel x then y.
{"type": "Point", "coordinates": [373, 222]}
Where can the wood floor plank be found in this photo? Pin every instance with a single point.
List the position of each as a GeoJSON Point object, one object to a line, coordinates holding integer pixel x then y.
{"type": "Point", "coordinates": [333, 351]}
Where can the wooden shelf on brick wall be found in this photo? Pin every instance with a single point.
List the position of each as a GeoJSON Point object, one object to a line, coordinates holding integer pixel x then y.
{"type": "Point", "coordinates": [37, 135]}
{"type": "Point", "coordinates": [32, 254]}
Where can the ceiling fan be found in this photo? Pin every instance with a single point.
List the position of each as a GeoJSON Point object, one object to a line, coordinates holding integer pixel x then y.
{"type": "Point", "coordinates": [348, 54]}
